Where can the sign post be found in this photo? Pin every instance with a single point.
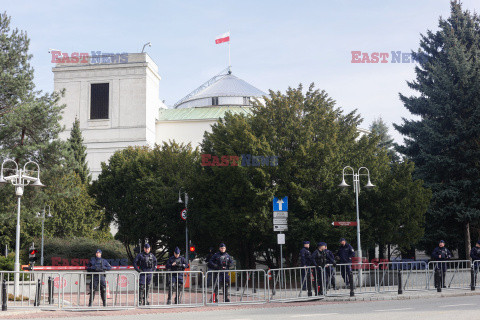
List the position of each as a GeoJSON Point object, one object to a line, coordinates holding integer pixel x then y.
{"type": "Point", "coordinates": [280, 224]}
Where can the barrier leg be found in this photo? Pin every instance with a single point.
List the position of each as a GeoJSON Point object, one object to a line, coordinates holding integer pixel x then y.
{"type": "Point", "coordinates": [472, 279]}
{"type": "Point", "coordinates": [350, 278]}
{"type": "Point", "coordinates": [400, 284]}
{"type": "Point", "coordinates": [438, 280]}
{"type": "Point", "coordinates": [38, 294]}
{"type": "Point", "coordinates": [4, 295]}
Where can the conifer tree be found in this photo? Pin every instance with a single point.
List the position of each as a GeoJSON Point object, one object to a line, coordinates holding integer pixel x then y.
{"type": "Point", "coordinates": [445, 142]}
{"type": "Point", "coordinates": [79, 153]}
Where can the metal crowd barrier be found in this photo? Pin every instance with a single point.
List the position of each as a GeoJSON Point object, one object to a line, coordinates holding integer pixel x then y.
{"type": "Point", "coordinates": [402, 276]}
{"type": "Point", "coordinates": [98, 290]}
{"type": "Point", "coordinates": [455, 274]}
{"type": "Point", "coordinates": [339, 283]}
{"type": "Point", "coordinates": [235, 287]}
{"type": "Point", "coordinates": [167, 289]}
{"type": "Point", "coordinates": [294, 284]}
{"type": "Point", "coordinates": [30, 289]}
{"type": "Point", "coordinates": [474, 274]}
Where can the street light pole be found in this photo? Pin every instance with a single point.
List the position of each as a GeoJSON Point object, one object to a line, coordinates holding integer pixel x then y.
{"type": "Point", "coordinates": [43, 228]}
{"type": "Point", "coordinates": [19, 179]}
{"type": "Point", "coordinates": [186, 219]}
{"type": "Point", "coordinates": [356, 189]}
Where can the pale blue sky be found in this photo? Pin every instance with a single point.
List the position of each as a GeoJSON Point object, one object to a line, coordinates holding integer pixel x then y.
{"type": "Point", "coordinates": [274, 44]}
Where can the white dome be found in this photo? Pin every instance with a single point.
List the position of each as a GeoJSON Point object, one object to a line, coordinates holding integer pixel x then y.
{"type": "Point", "coordinates": [226, 91]}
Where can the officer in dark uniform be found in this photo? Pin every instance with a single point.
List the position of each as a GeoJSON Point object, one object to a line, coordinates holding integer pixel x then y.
{"type": "Point", "coordinates": [145, 262]}
{"type": "Point", "coordinates": [97, 265]}
{"type": "Point", "coordinates": [330, 268]}
{"type": "Point", "coordinates": [175, 264]}
{"type": "Point", "coordinates": [475, 255]}
{"type": "Point", "coordinates": [221, 261]}
{"type": "Point", "coordinates": [345, 254]}
{"type": "Point", "coordinates": [306, 262]}
{"type": "Point", "coordinates": [319, 258]}
{"type": "Point", "coordinates": [441, 254]}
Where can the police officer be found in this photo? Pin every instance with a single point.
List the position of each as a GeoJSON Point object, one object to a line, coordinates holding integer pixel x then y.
{"type": "Point", "coordinates": [175, 264]}
{"type": "Point", "coordinates": [345, 254]}
{"type": "Point", "coordinates": [306, 262]}
{"type": "Point", "coordinates": [98, 264]}
{"type": "Point", "coordinates": [145, 262]}
{"type": "Point", "coordinates": [319, 258]}
{"type": "Point", "coordinates": [441, 254]}
{"type": "Point", "coordinates": [475, 255]}
{"type": "Point", "coordinates": [330, 268]}
{"type": "Point", "coordinates": [221, 261]}
{"type": "Point", "coordinates": [207, 259]}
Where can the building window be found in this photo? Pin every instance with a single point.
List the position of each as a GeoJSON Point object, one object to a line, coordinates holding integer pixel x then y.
{"type": "Point", "coordinates": [246, 101]}
{"type": "Point", "coordinates": [99, 100]}
{"type": "Point", "coordinates": [215, 101]}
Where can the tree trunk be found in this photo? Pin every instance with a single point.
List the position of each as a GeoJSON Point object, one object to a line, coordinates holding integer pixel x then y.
{"type": "Point", "coordinates": [468, 245]}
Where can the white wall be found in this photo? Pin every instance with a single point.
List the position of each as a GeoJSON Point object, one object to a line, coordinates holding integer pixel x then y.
{"type": "Point", "coordinates": [183, 131]}
{"type": "Point", "coordinates": [133, 105]}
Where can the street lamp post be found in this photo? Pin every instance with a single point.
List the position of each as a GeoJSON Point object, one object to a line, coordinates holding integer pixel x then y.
{"type": "Point", "coordinates": [19, 179]}
{"type": "Point", "coordinates": [186, 219]}
{"type": "Point", "coordinates": [356, 189]}
{"type": "Point", "coordinates": [42, 216]}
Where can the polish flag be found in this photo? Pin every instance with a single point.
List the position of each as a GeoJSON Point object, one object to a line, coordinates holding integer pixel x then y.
{"type": "Point", "coordinates": [223, 38]}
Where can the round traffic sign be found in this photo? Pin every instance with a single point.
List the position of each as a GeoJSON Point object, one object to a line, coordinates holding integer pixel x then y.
{"type": "Point", "coordinates": [123, 281]}
{"type": "Point", "coordinates": [59, 284]}
{"type": "Point", "coordinates": [183, 214]}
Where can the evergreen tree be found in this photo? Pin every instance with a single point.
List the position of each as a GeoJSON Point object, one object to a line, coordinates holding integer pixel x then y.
{"type": "Point", "coordinates": [445, 142]}
{"type": "Point", "coordinates": [16, 78]}
{"type": "Point", "coordinates": [380, 129]}
{"type": "Point", "coordinates": [79, 153]}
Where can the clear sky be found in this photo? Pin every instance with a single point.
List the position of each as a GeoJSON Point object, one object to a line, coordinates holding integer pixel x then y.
{"type": "Point", "coordinates": [274, 44]}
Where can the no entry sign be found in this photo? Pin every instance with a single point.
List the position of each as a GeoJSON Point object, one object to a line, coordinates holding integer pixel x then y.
{"type": "Point", "coordinates": [344, 223]}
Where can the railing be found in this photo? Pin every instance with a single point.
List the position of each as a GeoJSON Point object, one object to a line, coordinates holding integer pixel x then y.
{"type": "Point", "coordinates": [402, 276]}
{"type": "Point", "coordinates": [169, 289]}
{"type": "Point", "coordinates": [235, 287]}
{"type": "Point", "coordinates": [30, 289]}
{"type": "Point", "coordinates": [302, 283]}
{"type": "Point", "coordinates": [98, 290]}
{"type": "Point", "coordinates": [344, 279]}
{"type": "Point", "coordinates": [455, 274]}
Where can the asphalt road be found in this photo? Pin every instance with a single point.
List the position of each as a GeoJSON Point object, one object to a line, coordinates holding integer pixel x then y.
{"type": "Point", "coordinates": [452, 308]}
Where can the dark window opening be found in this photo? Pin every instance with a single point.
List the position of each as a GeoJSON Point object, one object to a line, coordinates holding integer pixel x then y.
{"type": "Point", "coordinates": [99, 101]}
{"type": "Point", "coordinates": [246, 101]}
{"type": "Point", "coordinates": [215, 101]}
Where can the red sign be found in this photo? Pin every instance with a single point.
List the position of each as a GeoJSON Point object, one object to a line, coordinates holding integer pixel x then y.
{"type": "Point", "coordinates": [344, 224]}
{"type": "Point", "coordinates": [123, 281]}
{"type": "Point", "coordinates": [57, 283]}
{"type": "Point", "coordinates": [183, 214]}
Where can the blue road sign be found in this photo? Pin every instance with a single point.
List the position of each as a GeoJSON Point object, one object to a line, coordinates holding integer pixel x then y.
{"type": "Point", "coordinates": [280, 204]}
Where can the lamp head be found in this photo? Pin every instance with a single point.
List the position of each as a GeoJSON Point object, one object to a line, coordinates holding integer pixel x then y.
{"type": "Point", "coordinates": [343, 184]}
{"type": "Point", "coordinates": [369, 184]}
{"type": "Point", "coordinates": [38, 183]}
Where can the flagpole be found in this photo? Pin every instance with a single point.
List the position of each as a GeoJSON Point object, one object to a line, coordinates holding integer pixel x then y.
{"type": "Point", "coordinates": [229, 62]}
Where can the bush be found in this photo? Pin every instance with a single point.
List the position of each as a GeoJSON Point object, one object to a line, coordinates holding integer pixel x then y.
{"type": "Point", "coordinates": [18, 298]}
{"type": "Point", "coordinates": [74, 251]}
{"type": "Point", "coordinates": [7, 263]}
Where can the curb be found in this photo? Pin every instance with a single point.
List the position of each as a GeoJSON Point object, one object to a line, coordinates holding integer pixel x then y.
{"type": "Point", "coordinates": [402, 297]}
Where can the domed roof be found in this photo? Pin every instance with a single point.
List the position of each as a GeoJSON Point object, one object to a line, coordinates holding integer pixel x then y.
{"type": "Point", "coordinates": [226, 86]}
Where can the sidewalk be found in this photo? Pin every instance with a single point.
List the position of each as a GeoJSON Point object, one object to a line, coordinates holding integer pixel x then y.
{"type": "Point", "coordinates": [39, 313]}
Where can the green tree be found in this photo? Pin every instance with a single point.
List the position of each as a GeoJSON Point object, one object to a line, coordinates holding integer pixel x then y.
{"type": "Point", "coordinates": [444, 142]}
{"type": "Point", "coordinates": [79, 153]}
{"type": "Point", "coordinates": [16, 77]}
{"type": "Point", "coordinates": [139, 190]}
{"type": "Point", "coordinates": [314, 141]}
{"type": "Point", "coordinates": [380, 128]}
